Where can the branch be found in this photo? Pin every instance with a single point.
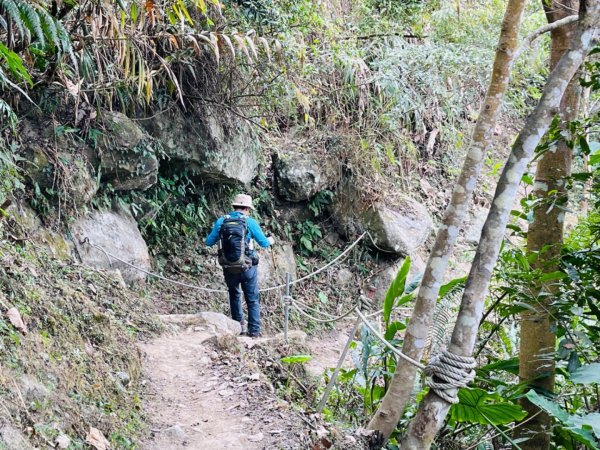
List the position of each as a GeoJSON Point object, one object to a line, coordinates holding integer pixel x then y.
{"type": "Point", "coordinates": [378, 35]}
{"type": "Point", "coordinates": [537, 33]}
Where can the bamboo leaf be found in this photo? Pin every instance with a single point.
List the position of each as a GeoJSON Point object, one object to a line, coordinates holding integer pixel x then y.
{"type": "Point", "coordinates": [242, 46]}
{"type": "Point", "coordinates": [252, 46]}
{"type": "Point", "coordinates": [229, 44]}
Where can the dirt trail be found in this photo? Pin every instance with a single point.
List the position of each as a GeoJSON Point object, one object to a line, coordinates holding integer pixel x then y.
{"type": "Point", "coordinates": [197, 398]}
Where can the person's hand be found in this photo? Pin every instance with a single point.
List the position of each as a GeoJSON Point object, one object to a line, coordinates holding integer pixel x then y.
{"type": "Point", "coordinates": [271, 240]}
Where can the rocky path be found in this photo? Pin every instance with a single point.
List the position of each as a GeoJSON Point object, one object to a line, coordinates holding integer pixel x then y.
{"type": "Point", "coordinates": [200, 397]}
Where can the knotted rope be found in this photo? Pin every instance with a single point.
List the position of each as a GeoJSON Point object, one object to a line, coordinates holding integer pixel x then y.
{"type": "Point", "coordinates": [447, 372]}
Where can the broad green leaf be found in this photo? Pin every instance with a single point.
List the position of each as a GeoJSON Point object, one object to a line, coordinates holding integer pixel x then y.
{"type": "Point", "coordinates": [392, 328]}
{"type": "Point", "coordinates": [404, 299]}
{"type": "Point", "coordinates": [547, 405]}
{"type": "Point", "coordinates": [587, 374]}
{"type": "Point", "coordinates": [295, 359]}
{"type": "Point", "coordinates": [395, 290]}
{"type": "Point", "coordinates": [558, 275]}
{"type": "Point", "coordinates": [15, 64]}
{"type": "Point", "coordinates": [478, 406]}
{"type": "Point", "coordinates": [589, 420]}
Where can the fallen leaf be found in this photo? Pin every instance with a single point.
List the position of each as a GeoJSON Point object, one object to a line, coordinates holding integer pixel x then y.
{"type": "Point", "coordinates": [256, 438]}
{"type": "Point", "coordinates": [96, 439]}
{"type": "Point", "coordinates": [14, 316]}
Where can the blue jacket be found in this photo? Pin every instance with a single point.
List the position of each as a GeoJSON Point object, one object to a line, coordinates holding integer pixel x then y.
{"type": "Point", "coordinates": [254, 231]}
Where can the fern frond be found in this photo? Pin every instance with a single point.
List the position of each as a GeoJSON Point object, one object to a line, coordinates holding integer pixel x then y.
{"type": "Point", "coordinates": [49, 27]}
{"type": "Point", "coordinates": [65, 42]}
{"type": "Point", "coordinates": [63, 38]}
{"type": "Point", "coordinates": [31, 20]}
{"type": "Point", "coordinates": [10, 9]}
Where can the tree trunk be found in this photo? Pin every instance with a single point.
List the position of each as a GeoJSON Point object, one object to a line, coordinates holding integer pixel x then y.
{"type": "Point", "coordinates": [432, 410]}
{"type": "Point", "coordinates": [545, 237]}
{"type": "Point", "coordinates": [392, 406]}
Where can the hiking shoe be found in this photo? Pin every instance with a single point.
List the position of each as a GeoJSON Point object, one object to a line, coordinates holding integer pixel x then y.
{"type": "Point", "coordinates": [254, 334]}
{"type": "Point", "coordinates": [244, 331]}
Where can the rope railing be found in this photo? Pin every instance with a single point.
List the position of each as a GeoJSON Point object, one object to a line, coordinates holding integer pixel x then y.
{"type": "Point", "coordinates": [446, 371]}
{"type": "Point", "coordinates": [202, 288]}
{"type": "Point", "coordinates": [316, 272]}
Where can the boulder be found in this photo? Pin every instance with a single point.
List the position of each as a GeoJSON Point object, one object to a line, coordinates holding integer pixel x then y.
{"type": "Point", "coordinates": [210, 143]}
{"type": "Point", "coordinates": [274, 263]}
{"type": "Point", "coordinates": [218, 323]}
{"type": "Point", "coordinates": [117, 233]}
{"type": "Point", "coordinates": [343, 277]}
{"type": "Point", "coordinates": [474, 224]}
{"type": "Point", "coordinates": [382, 281]}
{"type": "Point", "coordinates": [299, 176]}
{"type": "Point", "coordinates": [127, 154]}
{"type": "Point", "coordinates": [294, 213]}
{"type": "Point", "coordinates": [397, 223]}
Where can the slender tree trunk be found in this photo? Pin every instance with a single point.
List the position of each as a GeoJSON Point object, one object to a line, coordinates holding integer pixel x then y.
{"type": "Point", "coordinates": [432, 410]}
{"type": "Point", "coordinates": [545, 237]}
{"type": "Point", "coordinates": [392, 406]}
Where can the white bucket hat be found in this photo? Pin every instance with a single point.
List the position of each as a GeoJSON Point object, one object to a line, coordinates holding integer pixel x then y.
{"type": "Point", "coordinates": [242, 200]}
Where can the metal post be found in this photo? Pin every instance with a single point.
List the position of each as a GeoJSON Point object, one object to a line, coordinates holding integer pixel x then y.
{"type": "Point", "coordinates": [286, 305]}
{"type": "Point", "coordinates": [336, 372]}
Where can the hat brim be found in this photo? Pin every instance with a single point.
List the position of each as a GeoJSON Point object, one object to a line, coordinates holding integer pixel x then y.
{"type": "Point", "coordinates": [243, 206]}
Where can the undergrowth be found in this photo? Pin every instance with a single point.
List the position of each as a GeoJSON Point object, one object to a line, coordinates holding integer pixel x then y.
{"type": "Point", "coordinates": [78, 366]}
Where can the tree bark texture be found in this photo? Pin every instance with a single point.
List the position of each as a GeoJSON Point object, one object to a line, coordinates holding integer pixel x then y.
{"type": "Point", "coordinates": [401, 387]}
{"type": "Point", "coordinates": [433, 410]}
{"type": "Point", "coordinates": [545, 237]}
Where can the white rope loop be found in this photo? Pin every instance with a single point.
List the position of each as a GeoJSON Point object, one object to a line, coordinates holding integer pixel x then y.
{"type": "Point", "coordinates": [447, 372]}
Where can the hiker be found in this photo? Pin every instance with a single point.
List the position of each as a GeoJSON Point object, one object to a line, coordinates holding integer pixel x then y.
{"type": "Point", "coordinates": [235, 233]}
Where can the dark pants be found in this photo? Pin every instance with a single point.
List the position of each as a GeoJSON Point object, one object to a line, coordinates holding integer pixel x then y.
{"type": "Point", "coordinates": [249, 284]}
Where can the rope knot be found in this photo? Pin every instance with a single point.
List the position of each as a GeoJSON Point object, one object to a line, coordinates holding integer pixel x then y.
{"type": "Point", "coordinates": [447, 372]}
{"type": "Point", "coordinates": [364, 303]}
{"type": "Point", "coordinates": [287, 300]}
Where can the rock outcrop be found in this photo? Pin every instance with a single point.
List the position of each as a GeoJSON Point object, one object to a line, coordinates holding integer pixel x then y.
{"type": "Point", "coordinates": [127, 154]}
{"type": "Point", "coordinates": [57, 164]}
{"type": "Point", "coordinates": [299, 176]}
{"type": "Point", "coordinates": [397, 223]}
{"type": "Point", "coordinates": [213, 144]}
{"type": "Point", "coordinates": [31, 225]}
{"type": "Point", "coordinates": [117, 233]}
{"type": "Point", "coordinates": [274, 263]}
{"type": "Point", "coordinates": [382, 281]}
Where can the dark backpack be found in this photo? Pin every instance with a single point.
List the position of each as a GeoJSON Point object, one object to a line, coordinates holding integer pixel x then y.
{"type": "Point", "coordinates": [234, 254]}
